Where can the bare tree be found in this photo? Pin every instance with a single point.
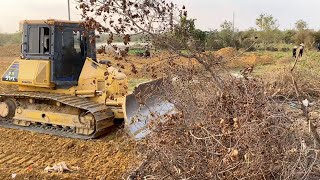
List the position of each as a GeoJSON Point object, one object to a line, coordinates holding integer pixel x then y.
{"type": "Point", "coordinates": [301, 25]}
{"type": "Point", "coordinates": [267, 22]}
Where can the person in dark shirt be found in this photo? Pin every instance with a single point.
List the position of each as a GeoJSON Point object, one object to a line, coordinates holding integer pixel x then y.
{"type": "Point", "coordinates": [301, 49]}
{"type": "Point", "coordinates": [294, 52]}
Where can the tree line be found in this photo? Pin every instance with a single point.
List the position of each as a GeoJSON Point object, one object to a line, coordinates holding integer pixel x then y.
{"type": "Point", "coordinates": [266, 36]}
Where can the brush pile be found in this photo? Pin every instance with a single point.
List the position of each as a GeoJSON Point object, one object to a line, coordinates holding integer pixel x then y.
{"type": "Point", "coordinates": [233, 131]}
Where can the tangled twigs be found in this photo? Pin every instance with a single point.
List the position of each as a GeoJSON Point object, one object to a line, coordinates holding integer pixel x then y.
{"type": "Point", "coordinates": [239, 133]}
{"type": "Point", "coordinates": [304, 108]}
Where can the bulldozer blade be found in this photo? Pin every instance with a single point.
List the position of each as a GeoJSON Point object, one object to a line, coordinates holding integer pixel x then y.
{"type": "Point", "coordinates": [145, 107]}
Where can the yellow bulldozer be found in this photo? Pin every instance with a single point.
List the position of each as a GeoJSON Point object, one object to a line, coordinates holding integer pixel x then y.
{"type": "Point", "coordinates": [63, 89]}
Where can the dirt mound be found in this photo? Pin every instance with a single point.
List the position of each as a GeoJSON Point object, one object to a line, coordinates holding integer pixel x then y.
{"type": "Point", "coordinates": [227, 52]}
{"type": "Point", "coordinates": [243, 61]}
{"type": "Point", "coordinates": [264, 60]}
{"type": "Point", "coordinates": [147, 68]}
{"type": "Point", "coordinates": [250, 59]}
{"type": "Point", "coordinates": [253, 59]}
{"type": "Point", "coordinates": [10, 50]}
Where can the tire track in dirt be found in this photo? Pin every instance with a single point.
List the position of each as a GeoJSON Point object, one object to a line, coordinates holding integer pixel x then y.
{"type": "Point", "coordinates": [27, 154]}
{"type": "Point", "coordinates": [17, 161]}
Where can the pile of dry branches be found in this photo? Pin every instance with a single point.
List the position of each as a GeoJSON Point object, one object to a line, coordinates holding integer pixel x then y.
{"type": "Point", "coordinates": [237, 132]}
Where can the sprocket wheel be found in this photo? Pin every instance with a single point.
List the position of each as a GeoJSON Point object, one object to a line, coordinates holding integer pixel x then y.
{"type": "Point", "coordinates": [7, 108]}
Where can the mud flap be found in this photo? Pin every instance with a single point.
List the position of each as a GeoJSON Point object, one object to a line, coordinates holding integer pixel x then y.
{"type": "Point", "coordinates": [145, 107]}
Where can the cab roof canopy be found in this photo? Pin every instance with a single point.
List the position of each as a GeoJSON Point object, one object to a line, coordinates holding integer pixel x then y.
{"type": "Point", "coordinates": [47, 21]}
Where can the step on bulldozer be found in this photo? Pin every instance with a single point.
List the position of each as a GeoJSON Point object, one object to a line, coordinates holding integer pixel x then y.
{"type": "Point", "coordinates": [63, 89]}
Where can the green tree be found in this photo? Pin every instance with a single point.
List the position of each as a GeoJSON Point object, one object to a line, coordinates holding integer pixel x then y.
{"type": "Point", "coordinates": [288, 36]}
{"type": "Point", "coordinates": [227, 25]}
{"type": "Point", "coordinates": [267, 22]}
{"type": "Point", "coordinates": [213, 40]}
{"type": "Point", "coordinates": [245, 39]}
{"type": "Point", "coordinates": [304, 35]}
{"type": "Point", "coordinates": [316, 36]}
{"type": "Point", "coordinates": [199, 35]}
{"type": "Point", "coordinates": [200, 39]}
{"type": "Point", "coordinates": [185, 28]}
{"type": "Point", "coordinates": [269, 32]}
{"type": "Point", "coordinates": [186, 32]}
{"type": "Point", "coordinates": [301, 25]}
{"type": "Point", "coordinates": [226, 34]}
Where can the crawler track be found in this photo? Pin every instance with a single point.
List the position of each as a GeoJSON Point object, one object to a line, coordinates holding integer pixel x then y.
{"type": "Point", "coordinates": [100, 112]}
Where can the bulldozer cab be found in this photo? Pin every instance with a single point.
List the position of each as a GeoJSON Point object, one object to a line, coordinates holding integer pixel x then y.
{"type": "Point", "coordinates": [65, 44]}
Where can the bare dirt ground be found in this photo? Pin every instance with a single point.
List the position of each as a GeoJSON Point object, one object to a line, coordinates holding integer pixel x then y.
{"type": "Point", "coordinates": [147, 68]}
{"type": "Point", "coordinates": [27, 154]}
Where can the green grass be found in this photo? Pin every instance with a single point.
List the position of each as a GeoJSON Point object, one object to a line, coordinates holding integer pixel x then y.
{"type": "Point", "coordinates": [263, 69]}
{"type": "Point", "coordinates": [279, 55]}
{"type": "Point", "coordinates": [184, 52]}
{"type": "Point", "coordinates": [309, 62]}
{"type": "Point", "coordinates": [274, 54]}
{"type": "Point", "coordinates": [135, 51]}
{"type": "Point", "coordinates": [135, 82]}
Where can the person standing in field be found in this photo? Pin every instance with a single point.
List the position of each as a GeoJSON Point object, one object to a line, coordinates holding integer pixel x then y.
{"type": "Point", "coordinates": [301, 49]}
{"type": "Point", "coordinates": [294, 52]}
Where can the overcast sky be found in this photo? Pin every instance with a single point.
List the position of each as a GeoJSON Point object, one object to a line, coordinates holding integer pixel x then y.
{"type": "Point", "coordinates": [209, 13]}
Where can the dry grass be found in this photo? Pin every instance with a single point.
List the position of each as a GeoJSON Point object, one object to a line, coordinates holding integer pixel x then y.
{"type": "Point", "coordinates": [242, 131]}
{"type": "Point", "coordinates": [10, 50]}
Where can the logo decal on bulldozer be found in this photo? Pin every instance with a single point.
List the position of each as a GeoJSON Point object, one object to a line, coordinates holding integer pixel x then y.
{"type": "Point", "coordinates": [12, 74]}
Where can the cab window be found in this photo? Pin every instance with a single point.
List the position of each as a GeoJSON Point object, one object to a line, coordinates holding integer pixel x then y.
{"type": "Point", "coordinates": [39, 40]}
